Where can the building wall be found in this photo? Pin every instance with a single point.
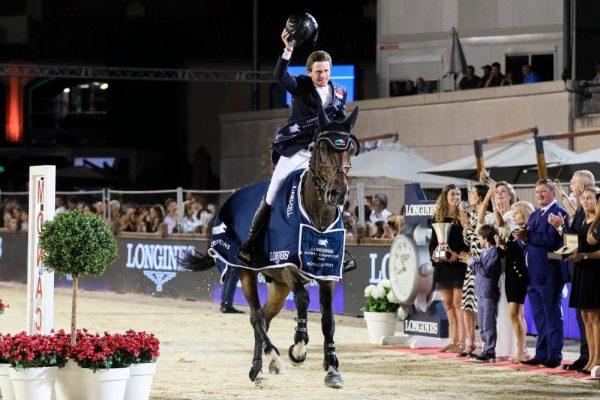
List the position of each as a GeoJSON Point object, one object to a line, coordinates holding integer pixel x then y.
{"type": "Point", "coordinates": [414, 37]}
{"type": "Point", "coordinates": [439, 126]}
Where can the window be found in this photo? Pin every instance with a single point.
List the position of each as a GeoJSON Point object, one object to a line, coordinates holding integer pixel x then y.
{"type": "Point", "coordinates": [542, 64]}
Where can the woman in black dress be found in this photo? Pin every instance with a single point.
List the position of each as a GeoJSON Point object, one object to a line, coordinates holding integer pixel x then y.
{"type": "Point", "coordinates": [586, 277]}
{"type": "Point", "coordinates": [449, 275]}
{"type": "Point", "coordinates": [517, 278]}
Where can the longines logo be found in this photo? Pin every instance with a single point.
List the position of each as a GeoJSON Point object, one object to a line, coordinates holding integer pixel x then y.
{"type": "Point", "coordinates": [411, 326]}
{"type": "Point", "coordinates": [159, 278]}
{"type": "Point", "coordinates": [155, 260]}
{"type": "Point", "coordinates": [417, 210]}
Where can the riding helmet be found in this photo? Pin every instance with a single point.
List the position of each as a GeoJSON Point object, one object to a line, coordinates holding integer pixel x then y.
{"type": "Point", "coordinates": [302, 27]}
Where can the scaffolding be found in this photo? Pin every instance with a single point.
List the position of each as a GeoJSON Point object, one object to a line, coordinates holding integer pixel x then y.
{"type": "Point", "coordinates": [140, 74]}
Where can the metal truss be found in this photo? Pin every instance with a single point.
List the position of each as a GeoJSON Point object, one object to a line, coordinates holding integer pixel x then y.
{"type": "Point", "coordinates": [139, 74]}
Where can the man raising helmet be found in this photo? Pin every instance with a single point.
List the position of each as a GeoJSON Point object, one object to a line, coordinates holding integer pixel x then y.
{"type": "Point", "coordinates": [290, 148]}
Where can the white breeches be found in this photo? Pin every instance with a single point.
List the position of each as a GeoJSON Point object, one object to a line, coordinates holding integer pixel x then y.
{"type": "Point", "coordinates": [284, 167]}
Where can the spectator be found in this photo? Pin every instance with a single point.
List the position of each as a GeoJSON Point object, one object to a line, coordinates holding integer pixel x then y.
{"type": "Point", "coordinates": [470, 80]}
{"type": "Point", "coordinates": [422, 87]}
{"type": "Point", "coordinates": [487, 72]}
{"type": "Point", "coordinates": [59, 204]}
{"type": "Point", "coordinates": [190, 223]}
{"type": "Point", "coordinates": [395, 89]}
{"type": "Point", "coordinates": [71, 203]}
{"type": "Point", "coordinates": [156, 217]}
{"type": "Point", "coordinates": [171, 217]}
{"type": "Point", "coordinates": [115, 216]}
{"type": "Point", "coordinates": [393, 226]}
{"type": "Point", "coordinates": [496, 77]}
{"type": "Point", "coordinates": [487, 269]}
{"type": "Point", "coordinates": [13, 225]}
{"type": "Point", "coordinates": [529, 76]}
{"type": "Point", "coordinates": [584, 288]}
{"type": "Point", "coordinates": [517, 278]}
{"type": "Point", "coordinates": [130, 221]}
{"type": "Point", "coordinates": [580, 181]}
{"type": "Point", "coordinates": [409, 88]}
{"type": "Point", "coordinates": [144, 218]}
{"type": "Point", "coordinates": [449, 274]}
{"type": "Point", "coordinates": [471, 217]}
{"type": "Point", "coordinates": [507, 81]}
{"type": "Point", "coordinates": [99, 207]}
{"type": "Point", "coordinates": [545, 275]}
{"type": "Point", "coordinates": [380, 211]}
{"type": "Point", "coordinates": [24, 221]}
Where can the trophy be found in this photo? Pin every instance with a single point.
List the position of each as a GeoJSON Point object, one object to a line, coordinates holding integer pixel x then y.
{"type": "Point", "coordinates": [442, 251]}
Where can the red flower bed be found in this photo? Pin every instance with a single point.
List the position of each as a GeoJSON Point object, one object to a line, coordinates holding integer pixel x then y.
{"type": "Point", "coordinates": [32, 351]}
{"type": "Point", "coordinates": [114, 350]}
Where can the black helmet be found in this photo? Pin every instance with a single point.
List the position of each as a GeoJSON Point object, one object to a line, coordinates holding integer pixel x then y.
{"type": "Point", "coordinates": [302, 27]}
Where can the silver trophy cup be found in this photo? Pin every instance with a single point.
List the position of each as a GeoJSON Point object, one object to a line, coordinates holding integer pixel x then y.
{"type": "Point", "coordinates": [442, 251]}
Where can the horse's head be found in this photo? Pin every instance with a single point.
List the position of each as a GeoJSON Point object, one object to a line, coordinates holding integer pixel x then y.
{"type": "Point", "coordinates": [331, 157]}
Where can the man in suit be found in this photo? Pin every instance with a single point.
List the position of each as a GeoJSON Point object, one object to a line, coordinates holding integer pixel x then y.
{"type": "Point", "coordinates": [545, 275]}
{"type": "Point", "coordinates": [579, 182]}
{"type": "Point", "coordinates": [290, 148]}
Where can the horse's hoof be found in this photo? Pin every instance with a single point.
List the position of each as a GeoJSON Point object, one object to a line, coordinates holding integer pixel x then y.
{"type": "Point", "coordinates": [261, 380]}
{"type": "Point", "coordinates": [296, 361]}
{"type": "Point", "coordinates": [276, 365]}
{"type": "Point", "coordinates": [254, 373]}
{"type": "Point", "coordinates": [334, 380]}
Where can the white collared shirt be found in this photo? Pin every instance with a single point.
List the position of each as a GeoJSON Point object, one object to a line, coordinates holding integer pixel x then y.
{"type": "Point", "coordinates": [544, 209]}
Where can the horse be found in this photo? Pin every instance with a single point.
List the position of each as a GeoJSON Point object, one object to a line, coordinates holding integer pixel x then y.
{"type": "Point", "coordinates": [321, 190]}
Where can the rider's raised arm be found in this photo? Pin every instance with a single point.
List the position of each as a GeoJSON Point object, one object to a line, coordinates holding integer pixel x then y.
{"type": "Point", "coordinates": [281, 69]}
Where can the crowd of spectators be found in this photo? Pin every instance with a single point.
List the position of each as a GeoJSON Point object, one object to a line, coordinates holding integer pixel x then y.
{"type": "Point", "coordinates": [380, 223]}
{"type": "Point", "coordinates": [499, 256]}
{"type": "Point", "coordinates": [492, 77]}
{"type": "Point", "coordinates": [127, 217]}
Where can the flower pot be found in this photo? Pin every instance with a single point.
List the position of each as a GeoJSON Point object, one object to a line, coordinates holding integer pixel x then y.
{"type": "Point", "coordinates": [105, 384]}
{"type": "Point", "coordinates": [69, 385]}
{"type": "Point", "coordinates": [380, 324]}
{"type": "Point", "coordinates": [5, 384]}
{"type": "Point", "coordinates": [140, 382]}
{"type": "Point", "coordinates": [33, 383]}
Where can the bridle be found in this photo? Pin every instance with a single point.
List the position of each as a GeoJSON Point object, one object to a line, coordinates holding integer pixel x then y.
{"type": "Point", "coordinates": [325, 187]}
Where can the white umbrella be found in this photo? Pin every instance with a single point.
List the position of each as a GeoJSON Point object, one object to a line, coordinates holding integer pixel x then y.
{"type": "Point", "coordinates": [514, 162]}
{"type": "Point", "coordinates": [396, 161]}
{"type": "Point", "coordinates": [564, 169]}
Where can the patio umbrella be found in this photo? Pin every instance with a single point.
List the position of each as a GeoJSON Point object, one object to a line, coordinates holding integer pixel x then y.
{"type": "Point", "coordinates": [514, 162]}
{"type": "Point", "coordinates": [457, 63]}
{"type": "Point", "coordinates": [563, 170]}
{"type": "Point", "coordinates": [395, 161]}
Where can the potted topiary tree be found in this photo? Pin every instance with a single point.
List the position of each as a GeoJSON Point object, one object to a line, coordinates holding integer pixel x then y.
{"type": "Point", "coordinates": [77, 244]}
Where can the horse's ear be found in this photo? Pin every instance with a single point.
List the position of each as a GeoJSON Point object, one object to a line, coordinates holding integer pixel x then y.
{"type": "Point", "coordinates": [351, 119]}
{"type": "Point", "coordinates": [324, 121]}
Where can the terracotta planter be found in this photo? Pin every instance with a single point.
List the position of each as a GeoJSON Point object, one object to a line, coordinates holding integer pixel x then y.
{"type": "Point", "coordinates": [140, 381]}
{"type": "Point", "coordinates": [380, 324]}
{"type": "Point", "coordinates": [105, 384]}
{"type": "Point", "coordinates": [33, 383]}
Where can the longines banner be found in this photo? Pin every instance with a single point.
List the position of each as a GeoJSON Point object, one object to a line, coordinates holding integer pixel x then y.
{"type": "Point", "coordinates": [150, 266]}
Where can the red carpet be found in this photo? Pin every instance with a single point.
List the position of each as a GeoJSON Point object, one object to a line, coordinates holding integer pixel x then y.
{"type": "Point", "coordinates": [505, 363]}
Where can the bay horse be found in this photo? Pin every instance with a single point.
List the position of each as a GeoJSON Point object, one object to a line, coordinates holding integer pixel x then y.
{"type": "Point", "coordinates": [319, 193]}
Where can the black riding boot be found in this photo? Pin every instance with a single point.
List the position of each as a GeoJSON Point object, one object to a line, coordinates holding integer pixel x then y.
{"type": "Point", "coordinates": [261, 217]}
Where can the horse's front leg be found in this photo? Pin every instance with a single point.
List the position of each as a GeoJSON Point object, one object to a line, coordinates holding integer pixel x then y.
{"type": "Point", "coordinates": [330, 362]}
{"type": "Point", "coordinates": [297, 351]}
{"type": "Point", "coordinates": [249, 282]}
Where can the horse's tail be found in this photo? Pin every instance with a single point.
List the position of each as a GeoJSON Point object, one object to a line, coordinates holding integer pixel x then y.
{"type": "Point", "coordinates": [196, 261]}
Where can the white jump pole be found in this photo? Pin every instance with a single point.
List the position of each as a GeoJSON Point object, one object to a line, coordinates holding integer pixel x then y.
{"type": "Point", "coordinates": [40, 282]}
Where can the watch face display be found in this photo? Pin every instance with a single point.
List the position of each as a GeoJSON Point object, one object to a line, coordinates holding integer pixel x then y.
{"type": "Point", "coordinates": [403, 268]}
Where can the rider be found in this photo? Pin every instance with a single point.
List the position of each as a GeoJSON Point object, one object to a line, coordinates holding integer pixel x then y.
{"type": "Point", "coordinates": [290, 148]}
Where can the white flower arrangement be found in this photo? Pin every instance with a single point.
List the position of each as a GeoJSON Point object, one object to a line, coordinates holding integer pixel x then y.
{"type": "Point", "coordinates": [381, 298]}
